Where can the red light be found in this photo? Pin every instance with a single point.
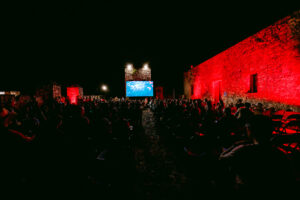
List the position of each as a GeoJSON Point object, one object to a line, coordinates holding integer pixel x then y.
{"type": "Point", "coordinates": [272, 54]}
{"type": "Point", "coordinates": [284, 151]}
{"type": "Point", "coordinates": [293, 145]}
{"type": "Point", "coordinates": [73, 93]}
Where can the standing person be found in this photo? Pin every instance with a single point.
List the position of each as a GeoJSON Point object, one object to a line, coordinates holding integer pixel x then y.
{"type": "Point", "coordinates": [244, 113]}
{"type": "Point", "coordinates": [239, 104]}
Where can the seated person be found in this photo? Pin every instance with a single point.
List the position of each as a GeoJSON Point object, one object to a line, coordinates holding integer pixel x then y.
{"type": "Point", "coordinates": [257, 165]}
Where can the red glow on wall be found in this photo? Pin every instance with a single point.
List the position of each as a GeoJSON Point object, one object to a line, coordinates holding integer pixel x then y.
{"type": "Point", "coordinates": [73, 94]}
{"type": "Point", "coordinates": [159, 92]}
{"type": "Point", "coordinates": [272, 54]}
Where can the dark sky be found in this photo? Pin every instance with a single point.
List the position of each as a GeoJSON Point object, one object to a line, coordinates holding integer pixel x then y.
{"type": "Point", "coordinates": [89, 44]}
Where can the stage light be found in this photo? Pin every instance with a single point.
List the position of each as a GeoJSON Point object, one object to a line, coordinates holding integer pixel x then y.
{"type": "Point", "coordinates": [146, 66]}
{"type": "Point", "coordinates": [129, 66]}
{"type": "Point", "coordinates": [2, 93]}
{"type": "Point", "coordinates": [104, 87]}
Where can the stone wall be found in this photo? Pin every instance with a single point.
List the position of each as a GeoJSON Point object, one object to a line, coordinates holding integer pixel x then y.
{"type": "Point", "coordinates": [187, 84]}
{"type": "Point", "coordinates": [273, 54]}
{"type": "Point", "coordinates": [141, 74]}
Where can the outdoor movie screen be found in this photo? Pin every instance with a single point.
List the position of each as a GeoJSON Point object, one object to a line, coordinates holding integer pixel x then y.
{"type": "Point", "coordinates": [139, 88]}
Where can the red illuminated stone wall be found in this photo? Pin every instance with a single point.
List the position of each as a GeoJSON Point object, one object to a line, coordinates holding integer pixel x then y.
{"type": "Point", "coordinates": [74, 93]}
{"type": "Point", "coordinates": [51, 90]}
{"type": "Point", "coordinates": [159, 92]}
{"type": "Point", "coordinates": [273, 54]}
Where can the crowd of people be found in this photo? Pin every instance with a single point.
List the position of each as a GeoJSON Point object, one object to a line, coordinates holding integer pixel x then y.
{"type": "Point", "coordinates": [45, 144]}
{"type": "Point", "coordinates": [219, 147]}
{"type": "Point", "coordinates": [227, 148]}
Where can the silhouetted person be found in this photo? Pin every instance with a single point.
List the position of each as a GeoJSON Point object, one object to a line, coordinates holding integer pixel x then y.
{"type": "Point", "coordinates": [239, 104]}
{"type": "Point", "coordinates": [244, 113]}
{"type": "Point", "coordinates": [228, 126]}
{"type": "Point", "coordinates": [257, 166]}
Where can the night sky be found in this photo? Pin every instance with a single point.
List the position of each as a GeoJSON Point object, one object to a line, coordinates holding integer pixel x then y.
{"type": "Point", "coordinates": [89, 44]}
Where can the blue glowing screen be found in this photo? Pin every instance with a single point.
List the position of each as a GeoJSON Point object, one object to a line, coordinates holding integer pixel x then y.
{"type": "Point", "coordinates": [139, 88]}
